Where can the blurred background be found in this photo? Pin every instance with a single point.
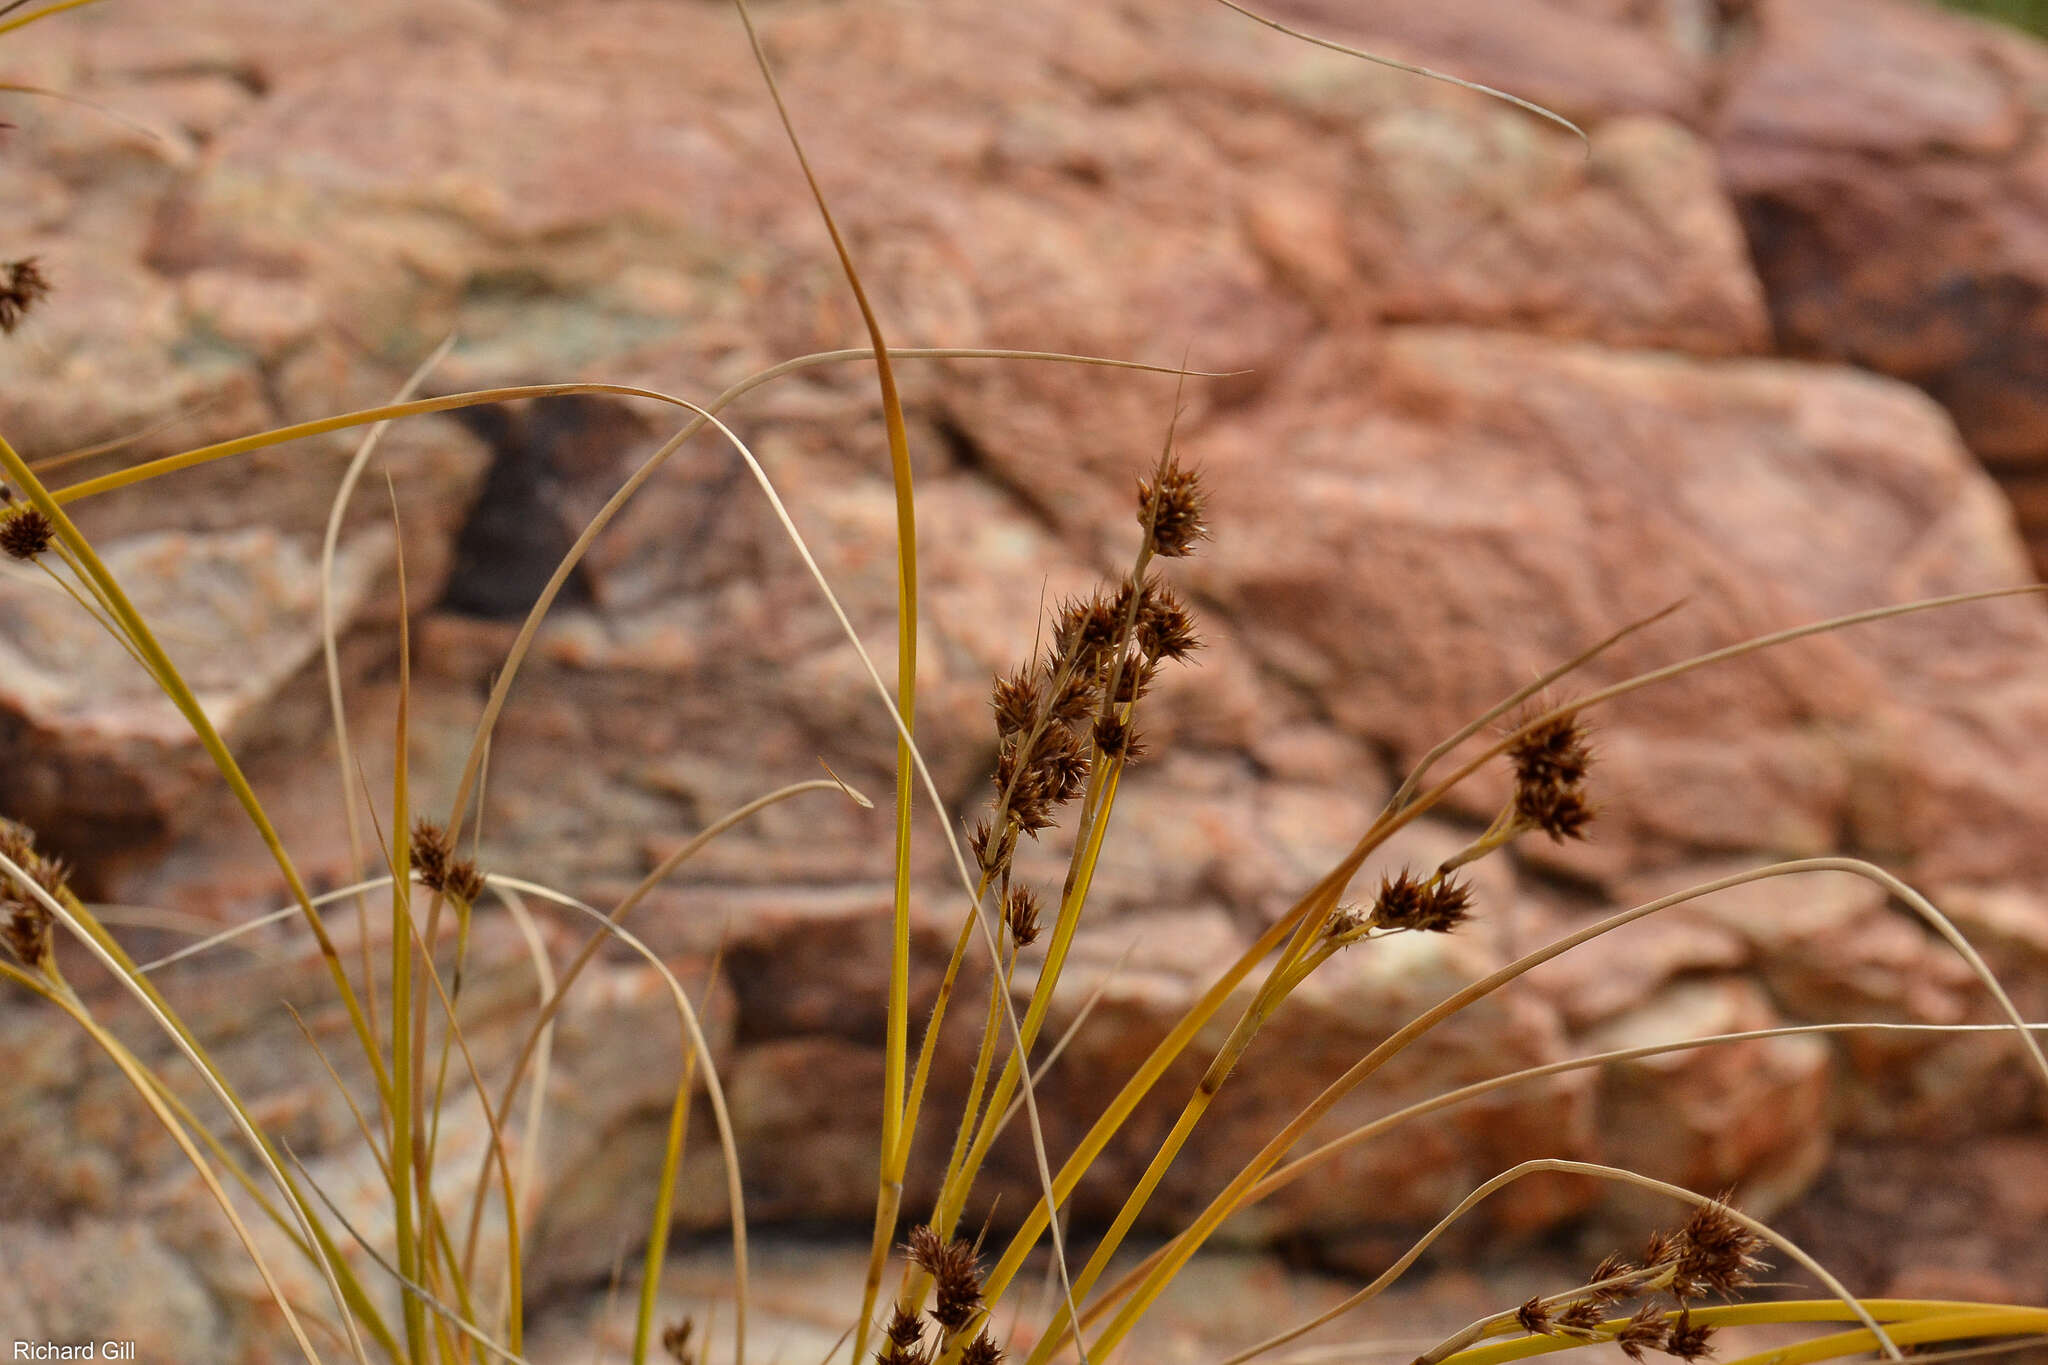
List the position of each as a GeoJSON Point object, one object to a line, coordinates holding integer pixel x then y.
{"type": "Point", "coordinates": [1773, 341]}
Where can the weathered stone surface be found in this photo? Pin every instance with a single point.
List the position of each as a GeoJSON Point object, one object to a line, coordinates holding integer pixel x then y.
{"type": "Point", "coordinates": [109, 1280]}
{"type": "Point", "coordinates": [1751, 1114]}
{"type": "Point", "coordinates": [1511, 502]}
{"type": "Point", "coordinates": [1884, 159]}
{"type": "Point", "coordinates": [99, 758]}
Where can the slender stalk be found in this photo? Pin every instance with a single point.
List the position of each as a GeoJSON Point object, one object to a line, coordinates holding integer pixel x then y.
{"type": "Point", "coordinates": [664, 1206]}
{"type": "Point", "coordinates": [45, 12]}
{"type": "Point", "coordinates": [405, 1194]}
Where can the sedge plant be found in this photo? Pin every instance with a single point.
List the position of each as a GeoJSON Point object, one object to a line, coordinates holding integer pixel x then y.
{"type": "Point", "coordinates": [1068, 722]}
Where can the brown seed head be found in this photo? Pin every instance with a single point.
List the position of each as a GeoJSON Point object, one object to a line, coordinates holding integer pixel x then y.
{"type": "Point", "coordinates": [1715, 1254]}
{"type": "Point", "coordinates": [1065, 765]}
{"type": "Point", "coordinates": [1134, 680]}
{"type": "Point", "coordinates": [1550, 765]}
{"type": "Point", "coordinates": [955, 1272]}
{"type": "Point", "coordinates": [981, 1351]}
{"type": "Point", "coordinates": [22, 286]}
{"type": "Point", "coordinates": [978, 843]}
{"type": "Point", "coordinates": [675, 1340]}
{"type": "Point", "coordinates": [1534, 1317]}
{"type": "Point", "coordinates": [1554, 752]}
{"type": "Point", "coordinates": [905, 1330]}
{"type": "Point", "coordinates": [26, 926]}
{"type": "Point", "coordinates": [1027, 799]}
{"type": "Point", "coordinates": [1687, 1340]}
{"type": "Point", "coordinates": [465, 883]}
{"type": "Point", "coordinates": [1171, 505]}
{"type": "Point", "coordinates": [1612, 1268]}
{"type": "Point", "coordinates": [1579, 1318]}
{"type": "Point", "coordinates": [1645, 1331]}
{"type": "Point", "coordinates": [1561, 812]}
{"type": "Point", "coordinates": [1015, 701]}
{"type": "Point", "coordinates": [432, 853]}
{"type": "Point", "coordinates": [1408, 902]}
{"type": "Point", "coordinates": [25, 532]}
{"type": "Point", "coordinates": [1117, 740]}
{"type": "Point", "coordinates": [1075, 699]}
{"type": "Point", "coordinates": [1086, 632]}
{"type": "Point", "coordinates": [1165, 628]}
{"type": "Point", "coordinates": [1020, 914]}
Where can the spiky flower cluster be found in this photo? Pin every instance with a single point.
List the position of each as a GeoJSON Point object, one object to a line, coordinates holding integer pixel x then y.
{"type": "Point", "coordinates": [1061, 715]}
{"type": "Point", "coordinates": [1712, 1254]}
{"type": "Point", "coordinates": [955, 1268]}
{"type": "Point", "coordinates": [22, 286]}
{"type": "Point", "coordinates": [1020, 915]}
{"type": "Point", "coordinates": [434, 860]}
{"type": "Point", "coordinates": [675, 1341]}
{"type": "Point", "coordinates": [26, 925]}
{"type": "Point", "coordinates": [24, 531]}
{"type": "Point", "coordinates": [1434, 905]}
{"type": "Point", "coordinates": [1170, 508]}
{"type": "Point", "coordinates": [1550, 765]}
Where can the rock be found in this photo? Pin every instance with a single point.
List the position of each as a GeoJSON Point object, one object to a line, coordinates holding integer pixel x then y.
{"type": "Point", "coordinates": [1750, 1116]}
{"type": "Point", "coordinates": [1585, 488]}
{"type": "Point", "coordinates": [1882, 159]}
{"type": "Point", "coordinates": [1582, 58]}
{"type": "Point", "coordinates": [101, 758]}
{"type": "Point", "coordinates": [1932, 1218]}
{"type": "Point", "coordinates": [106, 1280]}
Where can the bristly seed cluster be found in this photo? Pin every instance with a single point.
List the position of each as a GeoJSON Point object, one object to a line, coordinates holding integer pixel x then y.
{"type": "Point", "coordinates": [434, 860]}
{"type": "Point", "coordinates": [1062, 715]}
{"type": "Point", "coordinates": [1712, 1254]}
{"type": "Point", "coordinates": [675, 1341]}
{"type": "Point", "coordinates": [1020, 915]}
{"type": "Point", "coordinates": [1429, 905]}
{"type": "Point", "coordinates": [1550, 765]}
{"type": "Point", "coordinates": [1171, 505]}
{"type": "Point", "coordinates": [22, 286]}
{"type": "Point", "coordinates": [28, 928]}
{"type": "Point", "coordinates": [24, 531]}
{"type": "Point", "coordinates": [1433, 905]}
{"type": "Point", "coordinates": [955, 1268]}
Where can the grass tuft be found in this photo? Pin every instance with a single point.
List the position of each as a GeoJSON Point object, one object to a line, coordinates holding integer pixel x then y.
{"type": "Point", "coordinates": [1064, 728]}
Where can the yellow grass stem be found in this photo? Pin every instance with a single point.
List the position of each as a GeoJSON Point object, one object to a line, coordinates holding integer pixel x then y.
{"type": "Point", "coordinates": [330, 543]}
{"type": "Point", "coordinates": [1908, 1322]}
{"type": "Point", "coordinates": [458, 1271]}
{"type": "Point", "coordinates": [404, 1166]}
{"type": "Point", "coordinates": [10, 25]}
{"type": "Point", "coordinates": [410, 1288]}
{"type": "Point", "coordinates": [664, 1202]}
{"type": "Point", "coordinates": [1133, 1093]}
